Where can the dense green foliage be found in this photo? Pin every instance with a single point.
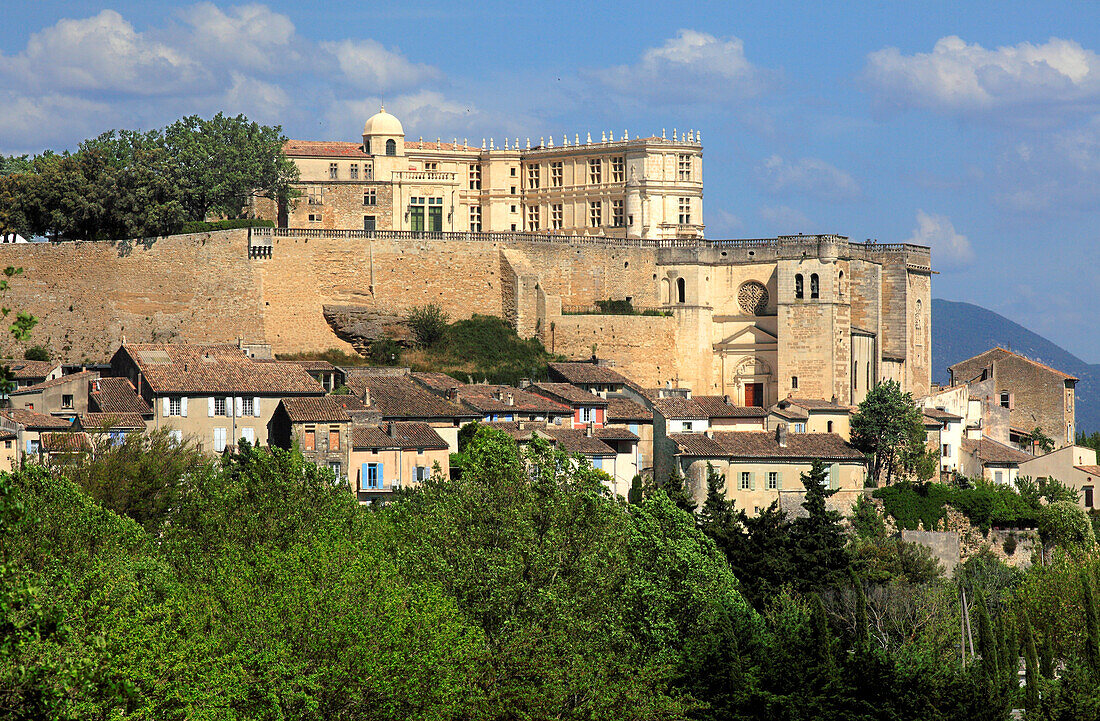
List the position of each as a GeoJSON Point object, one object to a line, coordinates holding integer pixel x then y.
{"type": "Point", "coordinates": [485, 347]}
{"type": "Point", "coordinates": [207, 227]}
{"type": "Point", "coordinates": [149, 582]}
{"type": "Point", "coordinates": [36, 353]}
{"type": "Point", "coordinates": [924, 505]}
{"type": "Point", "coordinates": [128, 184]}
{"type": "Point", "coordinates": [888, 427]}
{"type": "Point", "coordinates": [428, 324]}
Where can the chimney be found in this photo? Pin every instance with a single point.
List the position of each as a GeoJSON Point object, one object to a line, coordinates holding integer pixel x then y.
{"type": "Point", "coordinates": [510, 399]}
{"type": "Point", "coordinates": [588, 430]}
{"type": "Point", "coordinates": [452, 394]}
{"type": "Point", "coordinates": [391, 429]}
{"type": "Point", "coordinates": [595, 361]}
{"type": "Point", "coordinates": [524, 382]}
{"type": "Point", "coordinates": [709, 433]}
{"type": "Point", "coordinates": [781, 435]}
{"type": "Point", "coordinates": [366, 397]}
{"type": "Point", "coordinates": [522, 425]}
{"type": "Point", "coordinates": [726, 400]}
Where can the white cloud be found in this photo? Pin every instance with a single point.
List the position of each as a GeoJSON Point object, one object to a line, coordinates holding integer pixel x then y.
{"type": "Point", "coordinates": [950, 249]}
{"type": "Point", "coordinates": [368, 64]}
{"type": "Point", "coordinates": [29, 124]}
{"type": "Point", "coordinates": [101, 53]}
{"type": "Point", "coordinates": [246, 37]}
{"type": "Point", "coordinates": [810, 177]}
{"type": "Point", "coordinates": [258, 100]}
{"type": "Point", "coordinates": [962, 78]}
{"type": "Point", "coordinates": [693, 66]}
{"type": "Point", "coordinates": [786, 220]}
{"type": "Point", "coordinates": [1053, 172]}
{"type": "Point", "coordinates": [722, 223]}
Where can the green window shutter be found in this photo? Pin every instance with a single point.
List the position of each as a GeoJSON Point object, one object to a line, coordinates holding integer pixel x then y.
{"type": "Point", "coordinates": [834, 476]}
{"type": "Point", "coordinates": [779, 481]}
{"type": "Point", "coordinates": [752, 481]}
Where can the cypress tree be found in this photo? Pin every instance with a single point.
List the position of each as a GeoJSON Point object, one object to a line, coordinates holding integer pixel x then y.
{"type": "Point", "coordinates": [1046, 655]}
{"type": "Point", "coordinates": [987, 641]}
{"type": "Point", "coordinates": [1010, 644]}
{"type": "Point", "coordinates": [1092, 625]}
{"type": "Point", "coordinates": [863, 631]}
{"type": "Point", "coordinates": [1031, 670]}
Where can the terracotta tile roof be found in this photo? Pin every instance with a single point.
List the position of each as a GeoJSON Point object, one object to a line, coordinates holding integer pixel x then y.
{"type": "Point", "coordinates": [717, 407]}
{"type": "Point", "coordinates": [573, 440]}
{"type": "Point", "coordinates": [621, 409]}
{"type": "Point", "coordinates": [108, 421]}
{"type": "Point", "coordinates": [401, 397]}
{"type": "Point", "coordinates": [116, 395]}
{"type": "Point", "coordinates": [348, 402]}
{"type": "Point", "coordinates": [438, 382]}
{"type": "Point", "coordinates": [566, 393]}
{"type": "Point", "coordinates": [34, 421]}
{"type": "Point", "coordinates": [63, 442]}
{"type": "Point", "coordinates": [494, 399]}
{"type": "Point", "coordinates": [309, 365]}
{"type": "Point", "coordinates": [6, 435]}
{"type": "Point", "coordinates": [585, 373]}
{"type": "Point", "coordinates": [990, 451]}
{"type": "Point", "coordinates": [940, 415]}
{"type": "Point", "coordinates": [324, 148]}
{"type": "Point", "coordinates": [177, 368]}
{"type": "Point", "coordinates": [763, 444]}
{"type": "Point", "coordinates": [405, 436]}
{"type": "Point", "coordinates": [999, 353]}
{"type": "Point", "coordinates": [614, 434]}
{"type": "Point", "coordinates": [24, 369]}
{"type": "Point", "coordinates": [680, 409]}
{"type": "Point", "coordinates": [817, 404]}
{"type": "Point", "coordinates": [791, 413]}
{"type": "Point", "coordinates": [1094, 470]}
{"type": "Point", "coordinates": [315, 410]}
{"type": "Point", "coordinates": [518, 430]}
{"type": "Point", "coordinates": [83, 376]}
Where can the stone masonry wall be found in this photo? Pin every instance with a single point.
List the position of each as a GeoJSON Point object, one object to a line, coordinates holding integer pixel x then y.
{"type": "Point", "coordinates": [643, 346]}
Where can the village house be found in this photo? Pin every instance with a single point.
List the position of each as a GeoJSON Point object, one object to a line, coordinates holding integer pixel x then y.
{"type": "Point", "coordinates": [991, 460]}
{"type": "Point", "coordinates": [28, 426]}
{"type": "Point", "coordinates": [945, 433]}
{"type": "Point", "coordinates": [395, 455]}
{"type": "Point", "coordinates": [326, 374]}
{"type": "Point", "coordinates": [1035, 395]}
{"type": "Point", "coordinates": [588, 408]}
{"type": "Point", "coordinates": [683, 412]}
{"type": "Point", "coordinates": [65, 396]}
{"type": "Point", "coordinates": [213, 395]}
{"type": "Point", "coordinates": [591, 376]}
{"type": "Point", "coordinates": [28, 373]}
{"type": "Point", "coordinates": [319, 427]}
{"type": "Point", "coordinates": [505, 403]}
{"type": "Point", "coordinates": [764, 467]}
{"type": "Point", "coordinates": [390, 394]}
{"type": "Point", "coordinates": [807, 415]}
{"type": "Point", "coordinates": [112, 428]}
{"type": "Point", "coordinates": [1074, 466]}
{"type": "Point", "coordinates": [626, 414]}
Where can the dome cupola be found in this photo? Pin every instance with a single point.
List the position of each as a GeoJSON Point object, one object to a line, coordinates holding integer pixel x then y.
{"type": "Point", "coordinates": [383, 134]}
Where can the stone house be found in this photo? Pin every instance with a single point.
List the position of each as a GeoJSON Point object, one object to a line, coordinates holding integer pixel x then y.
{"type": "Point", "coordinates": [1074, 466]}
{"type": "Point", "coordinates": [626, 414]}
{"type": "Point", "coordinates": [762, 467]}
{"type": "Point", "coordinates": [1035, 395]}
{"type": "Point", "coordinates": [504, 403]}
{"type": "Point", "coordinates": [326, 374]}
{"type": "Point", "coordinates": [9, 450]}
{"type": "Point", "coordinates": [591, 376]}
{"type": "Point", "coordinates": [28, 373]}
{"type": "Point", "coordinates": [391, 394]}
{"type": "Point", "coordinates": [989, 459]}
{"type": "Point", "coordinates": [117, 395]}
{"type": "Point", "coordinates": [685, 413]}
{"type": "Point", "coordinates": [213, 395]}
{"type": "Point", "coordinates": [588, 408]}
{"type": "Point", "coordinates": [319, 427]}
{"type": "Point", "coordinates": [394, 455]}
{"type": "Point", "coordinates": [110, 428]}
{"type": "Point", "coordinates": [65, 396]}
{"type": "Point", "coordinates": [807, 415]}
{"type": "Point", "coordinates": [946, 432]}
{"type": "Point", "coordinates": [28, 426]}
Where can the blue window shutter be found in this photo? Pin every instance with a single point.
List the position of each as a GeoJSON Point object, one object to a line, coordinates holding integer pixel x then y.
{"type": "Point", "coordinates": [364, 476]}
{"type": "Point", "coordinates": [381, 475]}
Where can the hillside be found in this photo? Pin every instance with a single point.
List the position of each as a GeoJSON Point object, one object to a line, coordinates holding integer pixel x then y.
{"type": "Point", "coordinates": [962, 330]}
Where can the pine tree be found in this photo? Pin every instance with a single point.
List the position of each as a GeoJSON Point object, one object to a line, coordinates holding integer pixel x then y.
{"type": "Point", "coordinates": [677, 492]}
{"type": "Point", "coordinates": [819, 544]}
{"type": "Point", "coordinates": [1092, 625]}
{"type": "Point", "coordinates": [717, 518]}
{"type": "Point", "coordinates": [1031, 670]}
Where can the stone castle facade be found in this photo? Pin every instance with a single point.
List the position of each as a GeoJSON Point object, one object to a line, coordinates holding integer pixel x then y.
{"type": "Point", "coordinates": [626, 188]}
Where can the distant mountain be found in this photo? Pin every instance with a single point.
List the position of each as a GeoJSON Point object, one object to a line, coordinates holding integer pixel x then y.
{"type": "Point", "coordinates": [963, 330]}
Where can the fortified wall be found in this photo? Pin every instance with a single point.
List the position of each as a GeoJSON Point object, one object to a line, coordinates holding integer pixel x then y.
{"type": "Point", "coordinates": [721, 316]}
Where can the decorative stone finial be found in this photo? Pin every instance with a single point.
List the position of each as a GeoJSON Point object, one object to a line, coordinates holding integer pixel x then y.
{"type": "Point", "coordinates": [603, 139]}
{"type": "Point", "coordinates": [674, 137]}
{"type": "Point", "coordinates": [491, 146]}
{"type": "Point", "coordinates": [564, 139]}
{"type": "Point", "coordinates": [577, 139]}
{"type": "Point", "coordinates": [698, 137]}
{"type": "Point", "coordinates": [662, 133]}
{"type": "Point", "coordinates": [589, 138]}
{"type": "Point", "coordinates": [515, 146]}
{"type": "Point", "coordinates": [626, 135]}
{"type": "Point", "coordinates": [542, 142]}
{"type": "Point", "coordinates": [483, 143]}
{"type": "Point", "coordinates": [551, 142]}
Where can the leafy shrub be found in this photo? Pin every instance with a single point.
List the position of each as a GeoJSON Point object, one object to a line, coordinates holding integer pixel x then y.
{"type": "Point", "coordinates": [485, 346]}
{"type": "Point", "coordinates": [1065, 523]}
{"type": "Point", "coordinates": [206, 227]}
{"type": "Point", "coordinates": [915, 505]}
{"type": "Point", "coordinates": [985, 504]}
{"type": "Point", "coordinates": [1009, 545]}
{"type": "Point", "coordinates": [615, 307]}
{"type": "Point", "coordinates": [335, 356]}
{"type": "Point", "coordinates": [37, 353]}
{"type": "Point", "coordinates": [428, 324]}
{"type": "Point", "coordinates": [384, 352]}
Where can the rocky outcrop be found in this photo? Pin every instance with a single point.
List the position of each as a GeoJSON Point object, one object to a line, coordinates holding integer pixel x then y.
{"type": "Point", "coordinates": [360, 325]}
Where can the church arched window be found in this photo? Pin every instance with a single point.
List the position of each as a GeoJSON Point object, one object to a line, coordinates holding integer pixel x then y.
{"type": "Point", "coordinates": [815, 287]}
{"type": "Point", "coordinates": [681, 290]}
{"type": "Point", "coordinates": [366, 146]}
{"type": "Point", "coordinates": [391, 147]}
{"type": "Point", "coordinates": [798, 286]}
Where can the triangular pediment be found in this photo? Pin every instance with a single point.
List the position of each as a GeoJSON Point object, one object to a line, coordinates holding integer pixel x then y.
{"type": "Point", "coordinates": [749, 337]}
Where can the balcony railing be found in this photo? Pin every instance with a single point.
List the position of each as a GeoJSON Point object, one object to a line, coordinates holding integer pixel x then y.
{"type": "Point", "coordinates": [423, 175]}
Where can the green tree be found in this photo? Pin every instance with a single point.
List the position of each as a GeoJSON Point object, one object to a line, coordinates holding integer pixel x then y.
{"type": "Point", "coordinates": [428, 324]}
{"type": "Point", "coordinates": [1031, 670]}
{"type": "Point", "coordinates": [818, 541]}
{"type": "Point", "coordinates": [1092, 624]}
{"type": "Point", "coordinates": [677, 490]}
{"type": "Point", "coordinates": [1066, 524]}
{"type": "Point", "coordinates": [1040, 440]}
{"type": "Point", "coordinates": [37, 353]}
{"type": "Point", "coordinates": [888, 427]}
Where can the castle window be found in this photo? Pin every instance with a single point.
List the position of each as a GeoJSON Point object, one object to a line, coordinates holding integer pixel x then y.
{"type": "Point", "coordinates": [475, 177]}
{"type": "Point", "coordinates": [366, 146]}
{"type": "Point", "coordinates": [617, 213]}
{"type": "Point", "coordinates": [829, 427]}
{"type": "Point", "coordinates": [595, 214]}
{"type": "Point", "coordinates": [511, 208]}
{"type": "Point", "coordinates": [685, 211]}
{"type": "Point", "coordinates": [1006, 399]}
{"type": "Point", "coordinates": [773, 480]}
{"type": "Point", "coordinates": [315, 217]}
{"type": "Point", "coordinates": [618, 169]}
{"type": "Point", "coordinates": [556, 214]}
{"type": "Point", "coordinates": [684, 166]}
{"type": "Point", "coordinates": [533, 176]}
{"type": "Point", "coordinates": [595, 171]}
{"type": "Point", "coordinates": [815, 288]}
{"type": "Point", "coordinates": [798, 286]}
{"type": "Point", "coordinates": [512, 190]}
{"type": "Point", "coordinates": [855, 375]}
{"type": "Point", "coordinates": [353, 171]}
{"type": "Point", "coordinates": [794, 382]}
{"type": "Point", "coordinates": [513, 171]}
{"type": "Point", "coordinates": [746, 480]}
{"type": "Point", "coordinates": [333, 171]}
{"type": "Point", "coordinates": [370, 223]}
{"type": "Point", "coordinates": [430, 166]}
{"type": "Point", "coordinates": [681, 290]}
{"type": "Point", "coordinates": [370, 197]}
{"type": "Point", "coordinates": [556, 174]}
{"type": "Point", "coordinates": [368, 171]}
{"type": "Point", "coordinates": [532, 217]}
{"type": "Point", "coordinates": [475, 218]}
{"type": "Point", "coordinates": [391, 147]}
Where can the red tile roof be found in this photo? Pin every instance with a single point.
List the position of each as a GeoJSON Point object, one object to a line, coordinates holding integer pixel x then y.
{"type": "Point", "coordinates": [324, 148]}
{"type": "Point", "coordinates": [717, 407]}
{"type": "Point", "coordinates": [116, 395]}
{"type": "Point", "coordinates": [1094, 470]}
{"type": "Point", "coordinates": [680, 409]}
{"type": "Point", "coordinates": [401, 397]}
{"type": "Point", "coordinates": [494, 399]}
{"type": "Point", "coordinates": [440, 383]}
{"type": "Point", "coordinates": [83, 376]}
{"type": "Point", "coordinates": [109, 421]}
{"type": "Point", "coordinates": [34, 421]}
{"type": "Point", "coordinates": [63, 442]}
{"type": "Point", "coordinates": [1002, 352]}
{"type": "Point", "coordinates": [610, 433]}
{"type": "Point", "coordinates": [990, 451]}
{"type": "Point", "coordinates": [325, 409]}
{"type": "Point", "coordinates": [623, 410]}
{"type": "Point", "coordinates": [24, 369]}
{"type": "Point", "coordinates": [405, 436]}
{"type": "Point", "coordinates": [585, 373]}
{"type": "Point", "coordinates": [573, 440]}
{"type": "Point", "coordinates": [567, 393]}
{"type": "Point", "coordinates": [763, 444]}
{"type": "Point", "coordinates": [186, 369]}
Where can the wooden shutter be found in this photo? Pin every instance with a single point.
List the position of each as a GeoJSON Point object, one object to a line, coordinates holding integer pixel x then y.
{"type": "Point", "coordinates": [333, 440]}
{"type": "Point", "coordinates": [834, 476]}
{"type": "Point", "coordinates": [779, 481]}
{"type": "Point", "coordinates": [256, 407]}
{"type": "Point", "coordinates": [166, 408]}
{"type": "Point", "coordinates": [310, 440]}
{"type": "Point", "coordinates": [210, 407]}
{"type": "Point", "coordinates": [752, 481]}
{"type": "Point", "coordinates": [239, 403]}
{"type": "Point", "coordinates": [381, 476]}
{"type": "Point", "coordinates": [364, 474]}
{"type": "Point", "coordinates": [183, 406]}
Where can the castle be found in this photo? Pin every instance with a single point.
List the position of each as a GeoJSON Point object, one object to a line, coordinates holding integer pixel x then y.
{"type": "Point", "coordinates": [538, 236]}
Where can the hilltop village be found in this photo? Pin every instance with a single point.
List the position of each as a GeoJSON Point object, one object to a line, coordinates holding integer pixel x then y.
{"type": "Point", "coordinates": [748, 357]}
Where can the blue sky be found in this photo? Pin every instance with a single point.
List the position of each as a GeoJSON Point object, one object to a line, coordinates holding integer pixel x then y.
{"type": "Point", "coordinates": [972, 127]}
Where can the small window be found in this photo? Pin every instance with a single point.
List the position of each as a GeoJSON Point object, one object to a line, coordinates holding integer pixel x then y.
{"type": "Point", "coordinates": [556, 174]}
{"type": "Point", "coordinates": [333, 171]}
{"type": "Point", "coordinates": [334, 466]}
{"type": "Point", "coordinates": [512, 209]}
{"type": "Point", "coordinates": [556, 216]}
{"type": "Point", "coordinates": [370, 223]}
{"type": "Point", "coordinates": [391, 147]}
{"type": "Point", "coordinates": [1088, 496]}
{"type": "Point", "coordinates": [430, 166]}
{"type": "Point", "coordinates": [828, 426]}
{"type": "Point", "coordinates": [512, 190]}
{"type": "Point", "coordinates": [475, 218]}
{"type": "Point", "coordinates": [475, 177]}
{"type": "Point", "coordinates": [532, 217]}
{"type": "Point", "coordinates": [370, 197]}
{"type": "Point", "coordinates": [685, 211]}
{"type": "Point", "coordinates": [618, 169]}
{"type": "Point", "coordinates": [513, 173]}
{"type": "Point", "coordinates": [617, 213]}
{"type": "Point", "coordinates": [773, 480]}
{"type": "Point", "coordinates": [334, 439]}
{"type": "Point", "coordinates": [533, 176]}
{"type": "Point", "coordinates": [220, 407]}
{"type": "Point", "coordinates": [684, 166]}
{"type": "Point", "coordinates": [310, 442]}
{"type": "Point", "coordinates": [815, 289]}
{"type": "Point", "coordinates": [353, 171]}
{"type": "Point", "coordinates": [595, 171]}
{"type": "Point", "coordinates": [175, 406]}
{"type": "Point", "coordinates": [66, 401]}
{"type": "Point", "coordinates": [946, 450]}
{"type": "Point", "coordinates": [247, 406]}
{"type": "Point", "coordinates": [681, 290]}
{"type": "Point", "coordinates": [794, 382]}
{"type": "Point", "coordinates": [798, 286]}
{"type": "Point", "coordinates": [1006, 399]}
{"type": "Point", "coordinates": [595, 213]}
{"type": "Point", "coordinates": [998, 476]}
{"type": "Point", "coordinates": [746, 480]}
